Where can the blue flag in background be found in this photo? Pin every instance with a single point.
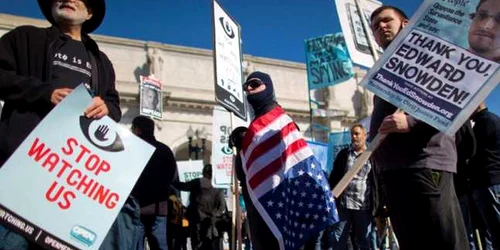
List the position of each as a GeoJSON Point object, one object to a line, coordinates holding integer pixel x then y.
{"type": "Point", "coordinates": [336, 142]}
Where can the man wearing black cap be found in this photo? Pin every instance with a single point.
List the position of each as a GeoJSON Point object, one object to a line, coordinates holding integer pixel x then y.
{"type": "Point", "coordinates": [40, 66]}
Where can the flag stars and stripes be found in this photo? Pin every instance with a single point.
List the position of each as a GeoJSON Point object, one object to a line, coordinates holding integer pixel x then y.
{"type": "Point", "coordinates": [270, 203]}
{"type": "Point", "coordinates": [295, 196]}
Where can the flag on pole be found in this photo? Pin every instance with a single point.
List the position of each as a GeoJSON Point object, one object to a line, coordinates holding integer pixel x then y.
{"type": "Point", "coordinates": [285, 181]}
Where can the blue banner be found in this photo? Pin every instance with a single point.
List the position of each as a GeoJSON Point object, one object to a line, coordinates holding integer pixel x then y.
{"type": "Point", "coordinates": [320, 151]}
{"type": "Point", "coordinates": [327, 61]}
{"type": "Point", "coordinates": [336, 142]}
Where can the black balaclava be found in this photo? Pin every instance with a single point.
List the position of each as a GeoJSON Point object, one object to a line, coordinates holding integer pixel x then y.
{"type": "Point", "coordinates": [262, 101]}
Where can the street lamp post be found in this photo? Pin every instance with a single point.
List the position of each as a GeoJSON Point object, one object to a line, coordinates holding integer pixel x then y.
{"type": "Point", "coordinates": [196, 148]}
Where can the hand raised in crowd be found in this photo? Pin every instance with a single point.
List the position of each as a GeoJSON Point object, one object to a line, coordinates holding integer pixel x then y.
{"type": "Point", "coordinates": [59, 94]}
{"type": "Point", "coordinates": [395, 123]}
{"type": "Point", "coordinates": [97, 108]}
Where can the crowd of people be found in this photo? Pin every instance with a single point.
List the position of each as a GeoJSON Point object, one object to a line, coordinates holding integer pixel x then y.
{"type": "Point", "coordinates": [437, 189]}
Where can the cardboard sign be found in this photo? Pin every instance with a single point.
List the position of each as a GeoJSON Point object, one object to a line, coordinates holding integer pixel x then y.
{"type": "Point", "coordinates": [65, 184]}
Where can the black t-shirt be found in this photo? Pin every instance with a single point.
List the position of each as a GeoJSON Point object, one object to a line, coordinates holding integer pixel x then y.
{"type": "Point", "coordinates": [71, 65]}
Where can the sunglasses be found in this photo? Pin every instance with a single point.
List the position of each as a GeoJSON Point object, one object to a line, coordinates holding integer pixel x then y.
{"type": "Point", "coordinates": [483, 15]}
{"type": "Point", "coordinates": [254, 83]}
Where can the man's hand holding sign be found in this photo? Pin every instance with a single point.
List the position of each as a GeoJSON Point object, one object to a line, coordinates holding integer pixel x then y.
{"type": "Point", "coordinates": [82, 176]}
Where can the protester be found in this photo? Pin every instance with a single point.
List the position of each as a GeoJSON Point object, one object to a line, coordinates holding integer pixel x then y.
{"type": "Point", "coordinates": [485, 172]}
{"type": "Point", "coordinates": [466, 148]}
{"type": "Point", "coordinates": [261, 236]}
{"type": "Point", "coordinates": [354, 204]}
{"type": "Point", "coordinates": [206, 207]}
{"type": "Point", "coordinates": [153, 186]}
{"type": "Point", "coordinates": [284, 180]}
{"type": "Point", "coordinates": [417, 164]}
{"type": "Point", "coordinates": [40, 66]}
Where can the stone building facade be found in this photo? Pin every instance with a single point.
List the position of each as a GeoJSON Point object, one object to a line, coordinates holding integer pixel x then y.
{"type": "Point", "coordinates": [187, 75]}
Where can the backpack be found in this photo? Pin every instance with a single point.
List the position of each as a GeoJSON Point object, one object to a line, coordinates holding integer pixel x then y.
{"type": "Point", "coordinates": [175, 210]}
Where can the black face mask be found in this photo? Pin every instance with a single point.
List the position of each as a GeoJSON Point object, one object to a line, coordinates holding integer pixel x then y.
{"type": "Point", "coordinates": [261, 100]}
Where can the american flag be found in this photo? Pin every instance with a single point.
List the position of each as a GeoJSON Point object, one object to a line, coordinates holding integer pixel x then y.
{"type": "Point", "coordinates": [285, 181]}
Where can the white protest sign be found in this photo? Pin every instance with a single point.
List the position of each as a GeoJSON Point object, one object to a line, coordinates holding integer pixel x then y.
{"type": "Point", "coordinates": [227, 62]}
{"type": "Point", "coordinates": [189, 170]}
{"type": "Point", "coordinates": [354, 33]}
{"type": "Point", "coordinates": [65, 184]}
{"type": "Point", "coordinates": [222, 154]}
{"type": "Point", "coordinates": [432, 74]}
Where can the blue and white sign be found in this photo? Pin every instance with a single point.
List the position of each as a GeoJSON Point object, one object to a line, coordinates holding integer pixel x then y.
{"type": "Point", "coordinates": [64, 186]}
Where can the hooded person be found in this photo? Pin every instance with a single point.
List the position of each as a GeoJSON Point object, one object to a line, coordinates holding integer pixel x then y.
{"type": "Point", "coordinates": [260, 92]}
{"type": "Point", "coordinates": [271, 139]}
{"type": "Point", "coordinates": [39, 67]}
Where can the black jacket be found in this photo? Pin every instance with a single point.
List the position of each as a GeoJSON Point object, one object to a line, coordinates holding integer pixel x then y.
{"type": "Point", "coordinates": [485, 164]}
{"type": "Point", "coordinates": [157, 177]}
{"type": "Point", "coordinates": [26, 55]}
{"type": "Point", "coordinates": [466, 148]}
{"type": "Point", "coordinates": [205, 201]}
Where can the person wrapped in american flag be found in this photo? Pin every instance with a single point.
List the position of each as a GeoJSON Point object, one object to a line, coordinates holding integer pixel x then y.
{"type": "Point", "coordinates": [285, 181]}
